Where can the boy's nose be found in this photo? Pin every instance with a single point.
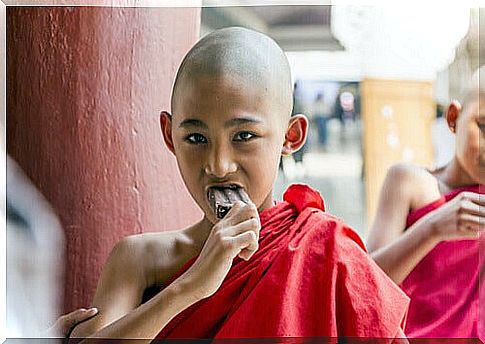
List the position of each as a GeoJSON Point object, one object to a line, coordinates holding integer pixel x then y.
{"type": "Point", "coordinates": [220, 163]}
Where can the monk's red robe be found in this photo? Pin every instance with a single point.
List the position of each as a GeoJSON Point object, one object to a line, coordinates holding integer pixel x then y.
{"type": "Point", "coordinates": [311, 276]}
{"type": "Point", "coordinates": [444, 286]}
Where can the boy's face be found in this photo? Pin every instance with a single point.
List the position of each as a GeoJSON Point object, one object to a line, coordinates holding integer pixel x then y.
{"type": "Point", "coordinates": [470, 135]}
{"type": "Point", "coordinates": [225, 132]}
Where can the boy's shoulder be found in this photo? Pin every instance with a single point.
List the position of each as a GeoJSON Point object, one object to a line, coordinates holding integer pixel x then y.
{"type": "Point", "coordinates": [410, 173]}
{"type": "Point", "coordinates": [417, 184]}
{"type": "Point", "coordinates": [328, 233]}
{"type": "Point", "coordinates": [156, 254]}
{"type": "Point", "coordinates": [314, 227]}
{"type": "Point", "coordinates": [144, 243]}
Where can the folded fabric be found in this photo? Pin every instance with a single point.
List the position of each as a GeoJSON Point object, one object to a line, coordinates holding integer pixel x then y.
{"type": "Point", "coordinates": [444, 286]}
{"type": "Point", "coordinates": [311, 277]}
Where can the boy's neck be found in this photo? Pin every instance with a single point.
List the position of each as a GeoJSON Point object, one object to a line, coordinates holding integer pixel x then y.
{"type": "Point", "coordinates": [454, 176]}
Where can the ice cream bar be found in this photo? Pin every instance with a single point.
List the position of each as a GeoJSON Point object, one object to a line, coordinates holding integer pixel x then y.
{"type": "Point", "coordinates": [222, 199]}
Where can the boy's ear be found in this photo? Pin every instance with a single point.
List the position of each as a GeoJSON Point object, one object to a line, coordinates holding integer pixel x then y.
{"type": "Point", "coordinates": [166, 126]}
{"type": "Point", "coordinates": [452, 114]}
{"type": "Point", "coordinates": [296, 134]}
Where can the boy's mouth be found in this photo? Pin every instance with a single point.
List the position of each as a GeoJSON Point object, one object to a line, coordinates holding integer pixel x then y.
{"type": "Point", "coordinates": [222, 198]}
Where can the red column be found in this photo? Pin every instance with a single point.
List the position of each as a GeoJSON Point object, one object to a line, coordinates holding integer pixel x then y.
{"type": "Point", "coordinates": [85, 86]}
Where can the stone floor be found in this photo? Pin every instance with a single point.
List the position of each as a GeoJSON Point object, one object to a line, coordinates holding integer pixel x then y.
{"type": "Point", "coordinates": [334, 171]}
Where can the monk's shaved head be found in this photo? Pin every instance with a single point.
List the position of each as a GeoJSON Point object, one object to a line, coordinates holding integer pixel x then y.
{"type": "Point", "coordinates": [474, 89]}
{"type": "Point", "coordinates": [249, 56]}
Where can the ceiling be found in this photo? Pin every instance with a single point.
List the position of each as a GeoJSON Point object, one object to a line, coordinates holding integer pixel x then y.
{"type": "Point", "coordinates": [295, 28]}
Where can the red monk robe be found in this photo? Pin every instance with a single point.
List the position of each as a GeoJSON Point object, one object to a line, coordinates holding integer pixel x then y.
{"type": "Point", "coordinates": [444, 286]}
{"type": "Point", "coordinates": [311, 276]}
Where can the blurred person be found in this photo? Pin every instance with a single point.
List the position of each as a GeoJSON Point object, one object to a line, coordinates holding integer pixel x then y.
{"type": "Point", "coordinates": [34, 263]}
{"type": "Point", "coordinates": [347, 102]}
{"type": "Point", "coordinates": [426, 232]}
{"type": "Point", "coordinates": [345, 109]}
{"type": "Point", "coordinates": [322, 113]}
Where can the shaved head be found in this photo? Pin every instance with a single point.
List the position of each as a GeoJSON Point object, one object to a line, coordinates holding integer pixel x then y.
{"type": "Point", "coordinates": [231, 116]}
{"type": "Point", "coordinates": [252, 58]}
{"type": "Point", "coordinates": [475, 88]}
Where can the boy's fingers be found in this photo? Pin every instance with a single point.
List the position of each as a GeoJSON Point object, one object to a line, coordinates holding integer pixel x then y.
{"type": "Point", "coordinates": [251, 224]}
{"type": "Point", "coordinates": [235, 210]}
{"type": "Point", "coordinates": [241, 212]}
{"type": "Point", "coordinates": [474, 209]}
{"type": "Point", "coordinates": [79, 315]}
{"type": "Point", "coordinates": [475, 198]}
{"type": "Point", "coordinates": [472, 223]}
{"type": "Point", "coordinates": [65, 322]}
{"type": "Point", "coordinates": [247, 242]}
{"type": "Point", "coordinates": [89, 313]}
{"type": "Point", "coordinates": [246, 254]}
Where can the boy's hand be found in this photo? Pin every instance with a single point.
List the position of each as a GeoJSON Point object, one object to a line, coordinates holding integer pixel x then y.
{"type": "Point", "coordinates": [461, 218]}
{"type": "Point", "coordinates": [66, 322]}
{"type": "Point", "coordinates": [235, 235]}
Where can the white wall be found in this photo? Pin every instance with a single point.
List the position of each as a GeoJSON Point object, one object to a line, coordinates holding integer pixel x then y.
{"type": "Point", "coordinates": [398, 42]}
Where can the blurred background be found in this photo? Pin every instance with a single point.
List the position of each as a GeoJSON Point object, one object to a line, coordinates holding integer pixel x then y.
{"type": "Point", "coordinates": [374, 82]}
{"type": "Point", "coordinates": [85, 86]}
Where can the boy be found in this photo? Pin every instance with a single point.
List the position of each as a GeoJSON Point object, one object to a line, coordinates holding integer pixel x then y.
{"type": "Point", "coordinates": [261, 269]}
{"type": "Point", "coordinates": [425, 235]}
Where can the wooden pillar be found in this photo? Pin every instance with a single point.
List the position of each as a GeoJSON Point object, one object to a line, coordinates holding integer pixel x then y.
{"type": "Point", "coordinates": [85, 86]}
{"type": "Point", "coordinates": [397, 117]}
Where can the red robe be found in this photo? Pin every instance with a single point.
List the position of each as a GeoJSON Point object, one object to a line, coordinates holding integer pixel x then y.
{"type": "Point", "coordinates": [444, 286]}
{"type": "Point", "coordinates": [311, 276]}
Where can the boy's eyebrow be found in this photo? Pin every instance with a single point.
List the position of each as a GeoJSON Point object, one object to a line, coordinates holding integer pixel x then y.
{"type": "Point", "coordinates": [241, 120]}
{"type": "Point", "coordinates": [192, 123]}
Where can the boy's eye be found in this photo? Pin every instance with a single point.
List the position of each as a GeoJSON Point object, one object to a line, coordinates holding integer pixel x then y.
{"type": "Point", "coordinates": [196, 138]}
{"type": "Point", "coordinates": [481, 126]}
{"type": "Point", "coordinates": [244, 136]}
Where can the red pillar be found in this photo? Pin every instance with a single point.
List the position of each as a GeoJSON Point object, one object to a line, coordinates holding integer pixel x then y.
{"type": "Point", "coordinates": [85, 86]}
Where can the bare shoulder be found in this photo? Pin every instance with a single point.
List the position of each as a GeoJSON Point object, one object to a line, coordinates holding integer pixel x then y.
{"type": "Point", "coordinates": [404, 173]}
{"type": "Point", "coordinates": [136, 263]}
{"type": "Point", "coordinates": [405, 188]}
{"type": "Point", "coordinates": [122, 279]}
{"type": "Point", "coordinates": [156, 256]}
{"type": "Point", "coordinates": [163, 254]}
{"type": "Point", "coordinates": [415, 183]}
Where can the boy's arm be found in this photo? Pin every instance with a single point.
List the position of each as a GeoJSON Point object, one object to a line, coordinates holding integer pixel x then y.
{"type": "Point", "coordinates": [119, 295]}
{"type": "Point", "coordinates": [119, 289]}
{"type": "Point", "coordinates": [124, 280]}
{"type": "Point", "coordinates": [397, 253]}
